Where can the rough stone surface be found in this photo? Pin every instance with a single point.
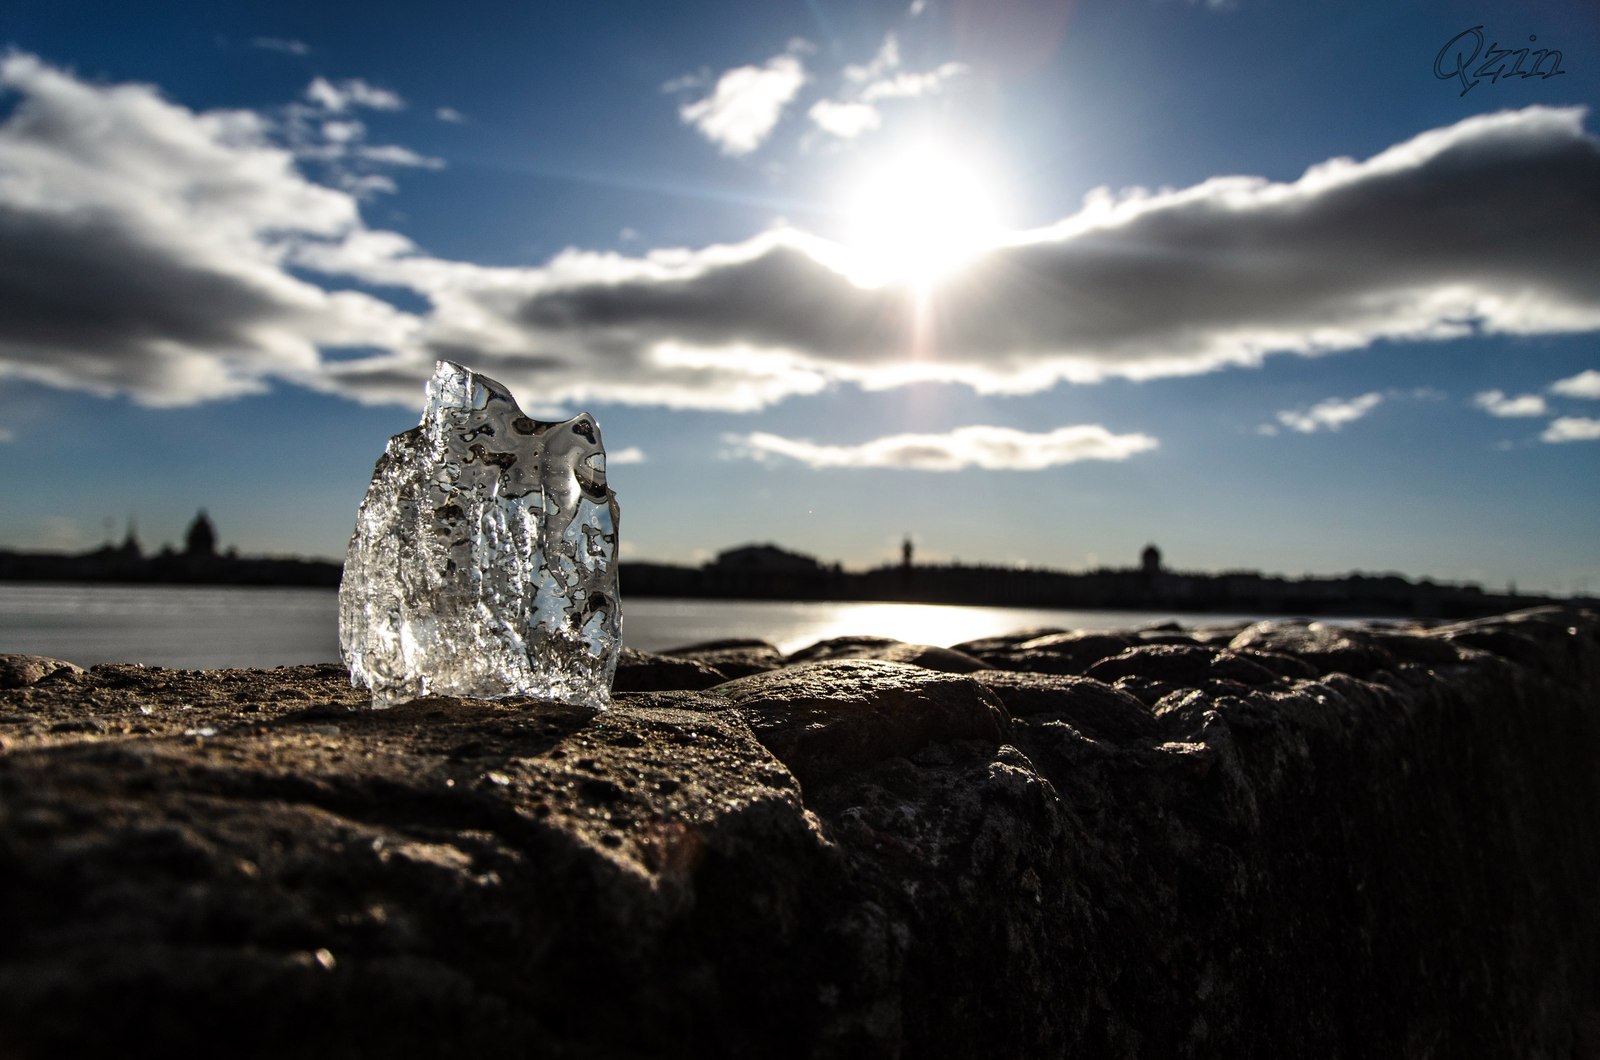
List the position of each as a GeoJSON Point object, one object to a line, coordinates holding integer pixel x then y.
{"type": "Point", "coordinates": [17, 671]}
{"type": "Point", "coordinates": [1229, 846]}
{"type": "Point", "coordinates": [927, 656]}
{"type": "Point", "coordinates": [1057, 653]}
{"type": "Point", "coordinates": [1329, 649]}
{"type": "Point", "coordinates": [643, 671]}
{"type": "Point", "coordinates": [733, 658]}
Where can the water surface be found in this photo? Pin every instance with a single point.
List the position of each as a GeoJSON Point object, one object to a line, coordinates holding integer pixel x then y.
{"type": "Point", "coordinates": [218, 626]}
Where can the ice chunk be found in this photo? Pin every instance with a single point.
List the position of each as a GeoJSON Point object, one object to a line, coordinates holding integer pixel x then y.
{"type": "Point", "coordinates": [483, 561]}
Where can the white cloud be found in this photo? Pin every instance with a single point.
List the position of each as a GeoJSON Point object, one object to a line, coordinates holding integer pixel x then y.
{"type": "Point", "coordinates": [366, 185]}
{"type": "Point", "coordinates": [343, 132]}
{"type": "Point", "coordinates": [336, 145]}
{"type": "Point", "coordinates": [1158, 284]}
{"type": "Point", "coordinates": [142, 246]}
{"type": "Point", "coordinates": [1585, 384]}
{"type": "Point", "coordinates": [279, 44]}
{"type": "Point", "coordinates": [631, 455]}
{"type": "Point", "coordinates": [909, 85]}
{"type": "Point", "coordinates": [1496, 403]}
{"type": "Point", "coordinates": [394, 155]}
{"type": "Point", "coordinates": [1571, 429]}
{"type": "Point", "coordinates": [152, 250]}
{"type": "Point", "coordinates": [844, 120]}
{"type": "Point", "coordinates": [871, 82]}
{"type": "Point", "coordinates": [886, 59]}
{"type": "Point", "coordinates": [450, 114]}
{"type": "Point", "coordinates": [353, 92]}
{"type": "Point", "coordinates": [1329, 415]}
{"type": "Point", "coordinates": [992, 448]}
{"type": "Point", "coordinates": [744, 107]}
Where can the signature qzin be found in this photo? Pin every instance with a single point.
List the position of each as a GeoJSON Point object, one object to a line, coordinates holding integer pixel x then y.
{"type": "Point", "coordinates": [1494, 60]}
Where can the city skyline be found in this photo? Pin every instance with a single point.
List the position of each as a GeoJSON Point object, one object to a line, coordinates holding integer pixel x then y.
{"type": "Point", "coordinates": [200, 538]}
{"type": "Point", "coordinates": [1304, 292]}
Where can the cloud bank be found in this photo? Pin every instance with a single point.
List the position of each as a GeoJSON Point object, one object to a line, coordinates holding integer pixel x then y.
{"type": "Point", "coordinates": [152, 250]}
{"type": "Point", "coordinates": [990, 448]}
{"type": "Point", "coordinates": [142, 248]}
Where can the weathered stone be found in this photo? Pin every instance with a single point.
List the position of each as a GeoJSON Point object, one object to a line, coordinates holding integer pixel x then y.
{"type": "Point", "coordinates": [883, 649]}
{"type": "Point", "coordinates": [1061, 653]}
{"type": "Point", "coordinates": [830, 648]}
{"type": "Point", "coordinates": [1157, 662]}
{"type": "Point", "coordinates": [1331, 649]}
{"type": "Point", "coordinates": [986, 645]}
{"type": "Point", "coordinates": [1528, 637]}
{"type": "Point", "coordinates": [733, 658]}
{"type": "Point", "coordinates": [1093, 707]}
{"type": "Point", "coordinates": [1276, 663]}
{"type": "Point", "coordinates": [17, 671]}
{"type": "Point", "coordinates": [824, 720]}
{"type": "Point", "coordinates": [643, 671]}
{"type": "Point", "coordinates": [1183, 663]}
{"type": "Point", "coordinates": [841, 859]}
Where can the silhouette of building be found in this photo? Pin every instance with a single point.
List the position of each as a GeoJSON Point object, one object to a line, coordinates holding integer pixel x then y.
{"type": "Point", "coordinates": [765, 559]}
{"type": "Point", "coordinates": [130, 548]}
{"type": "Point", "coordinates": [763, 571]}
{"type": "Point", "coordinates": [201, 539]}
{"type": "Point", "coordinates": [905, 553]}
{"type": "Point", "coordinates": [1150, 560]}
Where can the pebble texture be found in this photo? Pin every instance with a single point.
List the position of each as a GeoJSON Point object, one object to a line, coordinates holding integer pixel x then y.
{"type": "Point", "coordinates": [1280, 841]}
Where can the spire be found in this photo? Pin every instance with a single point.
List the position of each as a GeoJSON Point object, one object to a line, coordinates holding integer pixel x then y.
{"type": "Point", "coordinates": [130, 540]}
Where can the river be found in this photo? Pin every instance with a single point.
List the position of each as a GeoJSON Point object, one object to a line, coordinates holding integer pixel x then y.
{"type": "Point", "coordinates": [220, 626]}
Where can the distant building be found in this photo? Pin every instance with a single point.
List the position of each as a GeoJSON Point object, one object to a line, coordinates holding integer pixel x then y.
{"type": "Point", "coordinates": [202, 537]}
{"type": "Point", "coordinates": [764, 572]}
{"type": "Point", "coordinates": [130, 548]}
{"type": "Point", "coordinates": [765, 559]}
{"type": "Point", "coordinates": [1150, 560]}
{"type": "Point", "coordinates": [905, 553]}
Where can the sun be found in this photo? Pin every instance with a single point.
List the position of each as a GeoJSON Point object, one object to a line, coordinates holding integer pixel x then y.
{"type": "Point", "coordinates": [918, 217]}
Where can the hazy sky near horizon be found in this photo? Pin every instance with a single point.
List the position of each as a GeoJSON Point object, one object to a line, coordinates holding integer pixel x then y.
{"type": "Point", "coordinates": [1032, 282]}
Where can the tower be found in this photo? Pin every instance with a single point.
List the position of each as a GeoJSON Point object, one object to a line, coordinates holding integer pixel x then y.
{"type": "Point", "coordinates": [1150, 560]}
{"type": "Point", "coordinates": [130, 541]}
{"type": "Point", "coordinates": [202, 537]}
{"type": "Point", "coordinates": [905, 553]}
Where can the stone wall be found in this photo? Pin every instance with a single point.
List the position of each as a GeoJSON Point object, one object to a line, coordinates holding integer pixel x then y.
{"type": "Point", "coordinates": [1279, 841]}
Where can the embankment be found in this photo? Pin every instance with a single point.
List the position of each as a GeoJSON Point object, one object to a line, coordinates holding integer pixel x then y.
{"type": "Point", "coordinates": [1278, 842]}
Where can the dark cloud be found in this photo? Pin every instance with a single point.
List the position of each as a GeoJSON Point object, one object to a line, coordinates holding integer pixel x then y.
{"type": "Point", "coordinates": [139, 246]}
{"type": "Point", "coordinates": [1491, 223]}
{"type": "Point", "coordinates": [148, 249]}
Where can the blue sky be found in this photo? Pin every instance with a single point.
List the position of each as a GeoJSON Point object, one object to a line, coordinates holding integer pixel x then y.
{"type": "Point", "coordinates": [1031, 282]}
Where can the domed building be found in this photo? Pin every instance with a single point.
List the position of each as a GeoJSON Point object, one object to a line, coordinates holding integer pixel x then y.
{"type": "Point", "coordinates": [1150, 560]}
{"type": "Point", "coordinates": [201, 540]}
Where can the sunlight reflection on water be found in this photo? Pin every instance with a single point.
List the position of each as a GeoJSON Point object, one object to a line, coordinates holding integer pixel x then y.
{"type": "Point", "coordinates": [653, 625]}
{"type": "Point", "coordinates": [219, 626]}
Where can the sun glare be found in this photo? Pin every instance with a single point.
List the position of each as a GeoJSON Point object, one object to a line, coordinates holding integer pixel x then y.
{"type": "Point", "coordinates": [919, 217]}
